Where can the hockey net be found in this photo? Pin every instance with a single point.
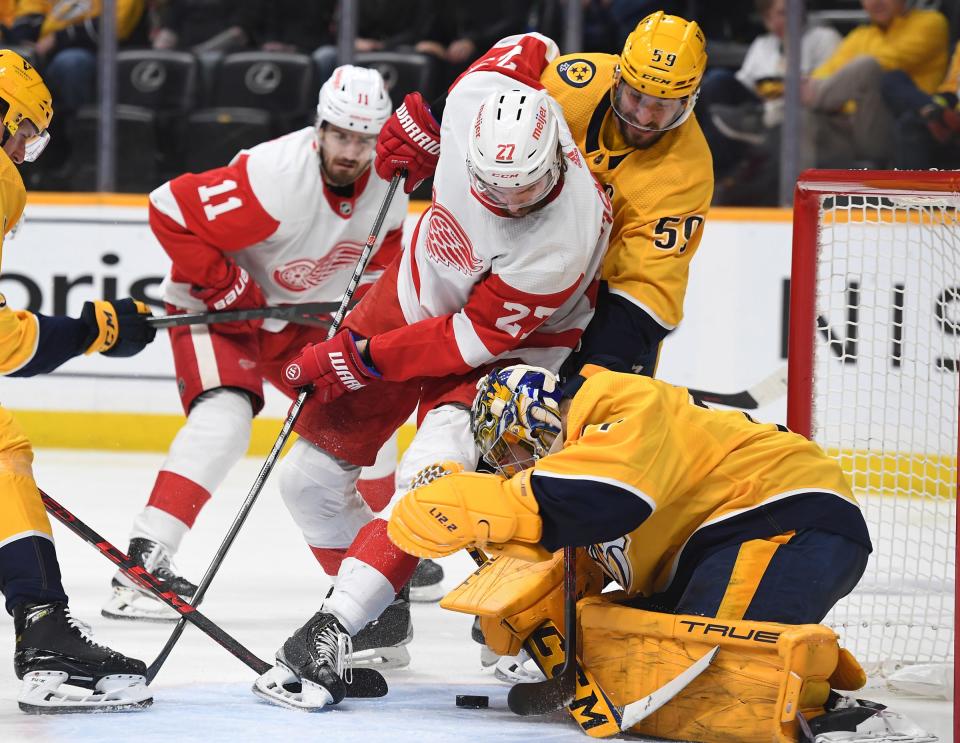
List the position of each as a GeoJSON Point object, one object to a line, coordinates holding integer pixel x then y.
{"type": "Point", "coordinates": [873, 378]}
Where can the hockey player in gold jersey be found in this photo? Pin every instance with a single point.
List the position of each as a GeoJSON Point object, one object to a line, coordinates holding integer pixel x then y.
{"type": "Point", "coordinates": [630, 115]}
{"type": "Point", "coordinates": [51, 649]}
{"type": "Point", "coordinates": [710, 501]}
{"type": "Point", "coordinates": [721, 531]}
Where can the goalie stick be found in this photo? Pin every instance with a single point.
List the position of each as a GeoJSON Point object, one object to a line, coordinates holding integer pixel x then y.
{"type": "Point", "coordinates": [305, 313]}
{"type": "Point", "coordinates": [589, 705]}
{"type": "Point", "coordinates": [282, 437]}
{"type": "Point", "coordinates": [764, 392]}
{"type": "Point", "coordinates": [364, 684]}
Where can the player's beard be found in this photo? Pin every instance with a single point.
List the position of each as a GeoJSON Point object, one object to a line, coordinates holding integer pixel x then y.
{"type": "Point", "coordinates": [637, 137]}
{"type": "Point", "coordinates": [341, 171]}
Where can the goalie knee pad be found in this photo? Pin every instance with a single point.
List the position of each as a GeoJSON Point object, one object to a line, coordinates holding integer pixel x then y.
{"type": "Point", "coordinates": [320, 491]}
{"type": "Point", "coordinates": [763, 675]}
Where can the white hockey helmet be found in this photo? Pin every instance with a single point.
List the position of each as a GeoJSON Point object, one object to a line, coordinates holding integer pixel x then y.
{"type": "Point", "coordinates": [354, 98]}
{"type": "Point", "coordinates": [514, 157]}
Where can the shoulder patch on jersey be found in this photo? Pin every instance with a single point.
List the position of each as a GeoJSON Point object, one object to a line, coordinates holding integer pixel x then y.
{"type": "Point", "coordinates": [577, 72]}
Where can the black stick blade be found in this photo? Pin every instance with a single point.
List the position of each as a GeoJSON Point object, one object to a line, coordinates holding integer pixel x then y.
{"type": "Point", "coordinates": [367, 683]}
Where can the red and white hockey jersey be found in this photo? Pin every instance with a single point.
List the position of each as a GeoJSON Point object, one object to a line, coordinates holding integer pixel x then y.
{"type": "Point", "coordinates": [271, 213]}
{"type": "Point", "coordinates": [477, 285]}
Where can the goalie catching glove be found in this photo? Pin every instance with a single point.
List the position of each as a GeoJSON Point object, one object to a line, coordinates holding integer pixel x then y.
{"type": "Point", "coordinates": [117, 328]}
{"type": "Point", "coordinates": [462, 510]}
{"type": "Point", "coordinates": [410, 141]}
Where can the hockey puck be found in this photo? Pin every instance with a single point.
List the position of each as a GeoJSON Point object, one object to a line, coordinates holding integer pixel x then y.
{"type": "Point", "coordinates": [469, 701]}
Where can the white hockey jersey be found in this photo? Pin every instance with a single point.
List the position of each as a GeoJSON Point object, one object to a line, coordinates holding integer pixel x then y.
{"type": "Point", "coordinates": [477, 285]}
{"type": "Point", "coordinates": [271, 212]}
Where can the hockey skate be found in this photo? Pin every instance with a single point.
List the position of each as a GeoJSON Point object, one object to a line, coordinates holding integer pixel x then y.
{"type": "Point", "coordinates": [312, 669]}
{"type": "Point", "coordinates": [63, 670]}
{"type": "Point", "coordinates": [426, 583]}
{"type": "Point", "coordinates": [129, 601]}
{"type": "Point", "coordinates": [381, 644]}
{"type": "Point", "coordinates": [517, 669]}
{"type": "Point", "coordinates": [849, 720]}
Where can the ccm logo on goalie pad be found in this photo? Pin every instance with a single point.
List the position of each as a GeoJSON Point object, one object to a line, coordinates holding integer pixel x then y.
{"type": "Point", "coordinates": [725, 630]}
{"type": "Point", "coordinates": [343, 371]}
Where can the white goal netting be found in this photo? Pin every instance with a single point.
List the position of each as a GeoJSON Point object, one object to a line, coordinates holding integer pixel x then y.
{"type": "Point", "coordinates": [885, 402]}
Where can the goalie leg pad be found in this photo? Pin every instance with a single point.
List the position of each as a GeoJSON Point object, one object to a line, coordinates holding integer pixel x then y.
{"type": "Point", "coordinates": [513, 597]}
{"type": "Point", "coordinates": [762, 676]}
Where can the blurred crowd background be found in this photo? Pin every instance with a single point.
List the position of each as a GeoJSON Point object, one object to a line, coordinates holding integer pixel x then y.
{"type": "Point", "coordinates": [196, 80]}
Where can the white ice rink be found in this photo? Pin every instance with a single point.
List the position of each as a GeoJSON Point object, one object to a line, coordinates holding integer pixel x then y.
{"type": "Point", "coordinates": [268, 586]}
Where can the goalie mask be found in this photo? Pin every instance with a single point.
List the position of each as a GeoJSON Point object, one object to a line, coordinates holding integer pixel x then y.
{"type": "Point", "coordinates": [516, 417]}
{"type": "Point", "coordinates": [656, 83]}
{"type": "Point", "coordinates": [514, 157]}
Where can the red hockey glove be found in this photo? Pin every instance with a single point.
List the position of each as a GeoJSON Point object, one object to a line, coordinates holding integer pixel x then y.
{"type": "Point", "coordinates": [236, 292]}
{"type": "Point", "coordinates": [333, 367]}
{"type": "Point", "coordinates": [410, 140]}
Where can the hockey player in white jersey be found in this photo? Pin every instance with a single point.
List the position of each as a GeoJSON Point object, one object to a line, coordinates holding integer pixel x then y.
{"type": "Point", "coordinates": [284, 222]}
{"type": "Point", "coordinates": [503, 265]}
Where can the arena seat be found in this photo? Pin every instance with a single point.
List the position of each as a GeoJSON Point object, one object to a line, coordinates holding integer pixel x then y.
{"type": "Point", "coordinates": [402, 72]}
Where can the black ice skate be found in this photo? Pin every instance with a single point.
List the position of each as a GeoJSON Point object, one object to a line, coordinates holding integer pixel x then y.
{"type": "Point", "coordinates": [313, 667]}
{"type": "Point", "coordinates": [850, 720]}
{"type": "Point", "coordinates": [129, 601]}
{"type": "Point", "coordinates": [381, 643]}
{"type": "Point", "coordinates": [425, 585]}
{"type": "Point", "coordinates": [63, 670]}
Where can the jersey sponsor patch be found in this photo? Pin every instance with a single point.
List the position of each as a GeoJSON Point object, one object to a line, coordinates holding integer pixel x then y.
{"type": "Point", "coordinates": [303, 273]}
{"type": "Point", "coordinates": [577, 72]}
{"type": "Point", "coordinates": [448, 244]}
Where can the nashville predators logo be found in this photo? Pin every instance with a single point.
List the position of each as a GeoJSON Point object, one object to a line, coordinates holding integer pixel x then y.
{"type": "Point", "coordinates": [577, 72]}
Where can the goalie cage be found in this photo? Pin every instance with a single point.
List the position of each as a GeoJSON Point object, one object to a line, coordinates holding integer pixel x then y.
{"type": "Point", "coordinates": [874, 349]}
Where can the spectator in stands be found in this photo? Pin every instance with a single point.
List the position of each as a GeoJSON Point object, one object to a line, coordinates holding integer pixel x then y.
{"type": "Point", "coordinates": [8, 10]}
{"type": "Point", "coordinates": [737, 110]}
{"type": "Point", "coordinates": [62, 38]}
{"type": "Point", "coordinates": [295, 26]}
{"type": "Point", "coordinates": [453, 33]}
{"type": "Point", "coordinates": [848, 123]}
{"type": "Point", "coordinates": [204, 26]}
{"type": "Point", "coordinates": [928, 126]}
{"type": "Point", "coordinates": [382, 25]}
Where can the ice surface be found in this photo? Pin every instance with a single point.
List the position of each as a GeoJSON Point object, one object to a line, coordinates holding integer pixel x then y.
{"type": "Point", "coordinates": [268, 586]}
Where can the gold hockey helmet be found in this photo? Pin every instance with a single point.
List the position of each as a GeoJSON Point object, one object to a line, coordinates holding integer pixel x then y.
{"type": "Point", "coordinates": [662, 62]}
{"type": "Point", "coordinates": [27, 98]}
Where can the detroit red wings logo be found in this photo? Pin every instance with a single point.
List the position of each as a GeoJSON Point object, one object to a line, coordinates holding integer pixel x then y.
{"type": "Point", "coordinates": [448, 244]}
{"type": "Point", "coordinates": [303, 273]}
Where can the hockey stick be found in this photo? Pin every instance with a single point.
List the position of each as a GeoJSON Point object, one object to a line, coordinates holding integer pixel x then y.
{"type": "Point", "coordinates": [591, 707]}
{"type": "Point", "coordinates": [146, 580]}
{"type": "Point", "coordinates": [278, 445]}
{"type": "Point", "coordinates": [298, 313]}
{"type": "Point", "coordinates": [559, 688]}
{"type": "Point", "coordinates": [764, 392]}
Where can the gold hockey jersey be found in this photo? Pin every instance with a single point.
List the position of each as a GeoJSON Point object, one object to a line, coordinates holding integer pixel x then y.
{"type": "Point", "coordinates": [693, 478]}
{"type": "Point", "coordinates": [19, 330]}
{"type": "Point", "coordinates": [660, 194]}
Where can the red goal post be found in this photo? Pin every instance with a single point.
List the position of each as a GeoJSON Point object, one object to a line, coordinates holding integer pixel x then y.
{"type": "Point", "coordinates": [873, 357]}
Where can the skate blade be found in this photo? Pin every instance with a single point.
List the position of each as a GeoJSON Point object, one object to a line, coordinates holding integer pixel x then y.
{"type": "Point", "coordinates": [282, 687]}
{"type": "Point", "coordinates": [47, 693]}
{"type": "Point", "coordinates": [382, 659]}
{"type": "Point", "coordinates": [132, 604]}
{"type": "Point", "coordinates": [427, 594]}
